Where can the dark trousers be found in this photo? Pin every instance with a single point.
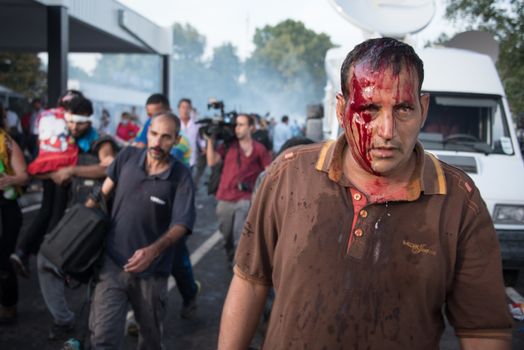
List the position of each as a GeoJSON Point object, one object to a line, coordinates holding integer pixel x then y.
{"type": "Point", "coordinates": [54, 203]}
{"type": "Point", "coordinates": [182, 271]}
{"type": "Point", "coordinates": [11, 221]}
{"type": "Point", "coordinates": [199, 168]}
{"type": "Point", "coordinates": [31, 143]}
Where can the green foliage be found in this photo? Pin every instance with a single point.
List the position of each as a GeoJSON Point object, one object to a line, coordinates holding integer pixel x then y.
{"type": "Point", "coordinates": [201, 79]}
{"type": "Point", "coordinates": [75, 72]}
{"type": "Point", "coordinates": [22, 73]}
{"type": "Point", "coordinates": [289, 62]}
{"type": "Point", "coordinates": [283, 75]}
{"type": "Point", "coordinates": [136, 71]}
{"type": "Point", "coordinates": [505, 20]}
{"type": "Point", "coordinates": [188, 43]}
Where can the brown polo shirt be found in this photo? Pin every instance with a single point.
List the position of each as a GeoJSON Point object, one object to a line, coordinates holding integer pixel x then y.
{"type": "Point", "coordinates": [350, 274]}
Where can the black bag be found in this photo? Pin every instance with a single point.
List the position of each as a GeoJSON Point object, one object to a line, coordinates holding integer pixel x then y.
{"type": "Point", "coordinates": [76, 243]}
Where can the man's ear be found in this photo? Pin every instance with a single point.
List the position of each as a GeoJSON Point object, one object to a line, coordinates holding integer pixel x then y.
{"type": "Point", "coordinates": [341, 109]}
{"type": "Point", "coordinates": [177, 140]}
{"type": "Point", "coordinates": [424, 106]}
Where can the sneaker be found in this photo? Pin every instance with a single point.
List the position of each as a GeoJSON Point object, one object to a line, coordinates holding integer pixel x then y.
{"type": "Point", "coordinates": [72, 344]}
{"type": "Point", "coordinates": [8, 314]}
{"type": "Point", "coordinates": [20, 263]}
{"type": "Point", "coordinates": [58, 331]}
{"type": "Point", "coordinates": [131, 325]}
{"type": "Point", "coordinates": [189, 308]}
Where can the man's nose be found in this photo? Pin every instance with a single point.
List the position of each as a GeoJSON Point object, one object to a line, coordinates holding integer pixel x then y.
{"type": "Point", "coordinates": [153, 141]}
{"type": "Point", "coordinates": [386, 126]}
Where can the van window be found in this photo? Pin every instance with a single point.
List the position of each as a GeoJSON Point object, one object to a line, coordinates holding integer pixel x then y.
{"type": "Point", "coordinates": [468, 123]}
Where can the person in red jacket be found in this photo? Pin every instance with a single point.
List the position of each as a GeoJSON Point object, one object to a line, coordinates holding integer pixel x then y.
{"type": "Point", "coordinates": [126, 129]}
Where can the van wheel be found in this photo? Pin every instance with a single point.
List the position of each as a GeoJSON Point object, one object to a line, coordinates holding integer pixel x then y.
{"type": "Point", "coordinates": [510, 277]}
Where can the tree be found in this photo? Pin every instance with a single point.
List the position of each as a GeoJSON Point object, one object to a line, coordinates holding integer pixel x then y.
{"type": "Point", "coordinates": [78, 73]}
{"type": "Point", "coordinates": [188, 43]}
{"type": "Point", "coordinates": [288, 64]}
{"type": "Point", "coordinates": [225, 69]}
{"type": "Point", "coordinates": [189, 72]}
{"type": "Point", "coordinates": [505, 20]}
{"type": "Point", "coordinates": [22, 72]}
{"type": "Point", "coordinates": [136, 71]}
{"type": "Point", "coordinates": [201, 79]}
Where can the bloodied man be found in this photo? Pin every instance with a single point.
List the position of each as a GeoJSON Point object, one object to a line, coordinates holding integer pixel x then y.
{"type": "Point", "coordinates": [366, 238]}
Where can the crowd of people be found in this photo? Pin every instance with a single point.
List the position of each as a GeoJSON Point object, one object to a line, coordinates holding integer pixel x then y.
{"type": "Point", "coordinates": [361, 240]}
{"type": "Point", "coordinates": [60, 150]}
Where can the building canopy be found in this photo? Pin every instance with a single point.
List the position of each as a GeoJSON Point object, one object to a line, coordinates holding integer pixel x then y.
{"type": "Point", "coordinates": [62, 26]}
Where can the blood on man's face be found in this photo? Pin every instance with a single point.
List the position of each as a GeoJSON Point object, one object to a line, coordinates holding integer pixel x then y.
{"type": "Point", "coordinates": [382, 117]}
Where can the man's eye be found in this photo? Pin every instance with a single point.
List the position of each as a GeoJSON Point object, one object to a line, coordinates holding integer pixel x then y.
{"type": "Point", "coordinates": [403, 110]}
{"type": "Point", "coordinates": [406, 108]}
{"type": "Point", "coordinates": [370, 108]}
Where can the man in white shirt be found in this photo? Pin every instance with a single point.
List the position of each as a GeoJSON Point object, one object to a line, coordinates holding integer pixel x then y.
{"type": "Point", "coordinates": [189, 127]}
{"type": "Point", "coordinates": [281, 134]}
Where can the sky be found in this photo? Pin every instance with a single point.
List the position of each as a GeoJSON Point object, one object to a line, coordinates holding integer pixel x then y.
{"type": "Point", "coordinates": [235, 21]}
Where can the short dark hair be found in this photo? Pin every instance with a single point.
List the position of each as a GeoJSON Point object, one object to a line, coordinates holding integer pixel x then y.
{"type": "Point", "coordinates": [65, 99]}
{"type": "Point", "coordinates": [156, 99]}
{"type": "Point", "coordinates": [295, 141]}
{"type": "Point", "coordinates": [250, 119]}
{"type": "Point", "coordinates": [80, 105]}
{"type": "Point", "coordinates": [285, 119]}
{"type": "Point", "coordinates": [184, 99]}
{"type": "Point", "coordinates": [170, 115]}
{"type": "Point", "coordinates": [382, 52]}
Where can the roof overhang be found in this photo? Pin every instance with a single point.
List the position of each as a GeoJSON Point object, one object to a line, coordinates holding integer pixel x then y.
{"type": "Point", "coordinates": [104, 26]}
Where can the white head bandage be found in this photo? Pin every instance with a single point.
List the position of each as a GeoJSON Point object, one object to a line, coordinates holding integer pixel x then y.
{"type": "Point", "coordinates": [76, 118]}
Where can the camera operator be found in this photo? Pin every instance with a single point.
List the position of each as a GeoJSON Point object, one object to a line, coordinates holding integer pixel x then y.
{"type": "Point", "coordinates": [243, 159]}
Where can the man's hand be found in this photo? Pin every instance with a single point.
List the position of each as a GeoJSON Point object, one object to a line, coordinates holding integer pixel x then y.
{"type": "Point", "coordinates": [90, 203]}
{"type": "Point", "coordinates": [141, 260]}
{"type": "Point", "coordinates": [62, 176]}
{"type": "Point", "coordinates": [6, 180]}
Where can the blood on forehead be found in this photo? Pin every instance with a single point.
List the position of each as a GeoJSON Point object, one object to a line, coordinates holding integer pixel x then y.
{"type": "Point", "coordinates": [367, 83]}
{"type": "Point", "coordinates": [357, 120]}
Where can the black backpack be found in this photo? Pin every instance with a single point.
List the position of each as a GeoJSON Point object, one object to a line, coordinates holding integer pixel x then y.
{"type": "Point", "coordinates": [76, 243]}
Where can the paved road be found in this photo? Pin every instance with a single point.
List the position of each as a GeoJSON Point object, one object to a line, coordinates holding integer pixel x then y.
{"type": "Point", "coordinates": [201, 333]}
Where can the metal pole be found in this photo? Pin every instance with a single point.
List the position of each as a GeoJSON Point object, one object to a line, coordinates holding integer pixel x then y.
{"type": "Point", "coordinates": [57, 49]}
{"type": "Point", "coordinates": [166, 75]}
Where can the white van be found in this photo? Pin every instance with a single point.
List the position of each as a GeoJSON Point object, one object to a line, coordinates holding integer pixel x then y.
{"type": "Point", "coordinates": [469, 126]}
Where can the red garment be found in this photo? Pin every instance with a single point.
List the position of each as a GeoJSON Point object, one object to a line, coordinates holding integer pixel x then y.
{"type": "Point", "coordinates": [57, 148]}
{"type": "Point", "coordinates": [241, 169]}
{"type": "Point", "coordinates": [127, 131]}
{"type": "Point", "coordinates": [26, 122]}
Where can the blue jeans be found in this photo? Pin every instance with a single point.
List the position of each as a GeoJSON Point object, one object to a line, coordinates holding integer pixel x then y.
{"type": "Point", "coordinates": [53, 291]}
{"type": "Point", "coordinates": [182, 271]}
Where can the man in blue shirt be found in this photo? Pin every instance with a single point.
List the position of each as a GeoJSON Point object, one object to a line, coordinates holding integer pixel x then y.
{"type": "Point", "coordinates": [153, 209]}
{"type": "Point", "coordinates": [182, 270]}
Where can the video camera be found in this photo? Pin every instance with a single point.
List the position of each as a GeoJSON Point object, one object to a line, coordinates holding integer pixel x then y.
{"type": "Point", "coordinates": [221, 127]}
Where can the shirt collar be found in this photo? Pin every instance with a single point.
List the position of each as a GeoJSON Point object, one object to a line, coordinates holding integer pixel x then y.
{"type": "Point", "coordinates": [428, 177]}
{"type": "Point", "coordinates": [190, 124]}
{"type": "Point", "coordinates": [163, 175]}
